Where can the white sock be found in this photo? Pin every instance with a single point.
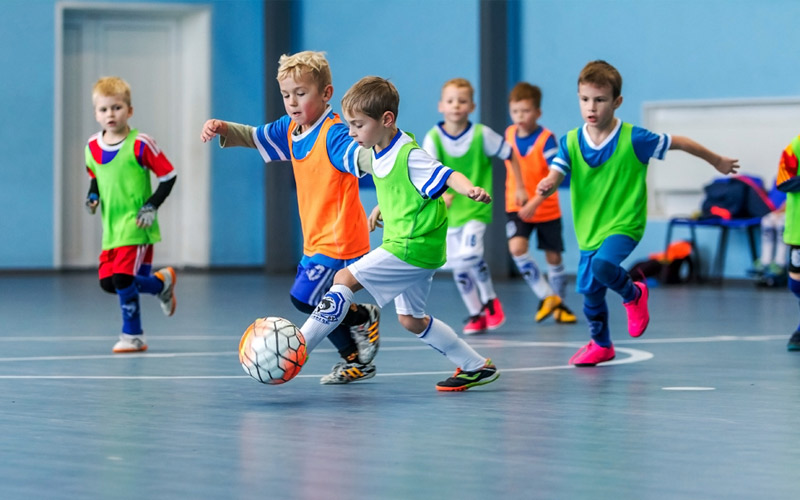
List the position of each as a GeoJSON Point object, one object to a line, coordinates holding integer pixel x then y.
{"type": "Point", "coordinates": [557, 278]}
{"type": "Point", "coordinates": [468, 290]}
{"type": "Point", "coordinates": [767, 245]}
{"type": "Point", "coordinates": [326, 317]}
{"type": "Point", "coordinates": [483, 279]}
{"type": "Point", "coordinates": [442, 338]}
{"type": "Point", "coordinates": [530, 271]}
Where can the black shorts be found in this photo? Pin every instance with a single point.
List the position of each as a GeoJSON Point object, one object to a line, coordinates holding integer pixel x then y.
{"type": "Point", "coordinates": [794, 259]}
{"type": "Point", "coordinates": [548, 234]}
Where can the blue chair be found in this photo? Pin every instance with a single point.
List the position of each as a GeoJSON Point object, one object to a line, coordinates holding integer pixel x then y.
{"type": "Point", "coordinates": [752, 226]}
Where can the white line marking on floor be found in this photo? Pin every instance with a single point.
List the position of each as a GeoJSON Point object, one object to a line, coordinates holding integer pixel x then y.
{"type": "Point", "coordinates": [688, 388]}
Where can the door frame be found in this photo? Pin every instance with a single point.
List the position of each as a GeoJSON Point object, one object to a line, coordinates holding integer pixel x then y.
{"type": "Point", "coordinates": [195, 22]}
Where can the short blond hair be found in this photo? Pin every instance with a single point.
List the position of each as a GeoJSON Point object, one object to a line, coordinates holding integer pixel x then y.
{"type": "Point", "coordinates": [306, 64]}
{"type": "Point", "coordinates": [111, 86]}
{"type": "Point", "coordinates": [601, 74]}
{"type": "Point", "coordinates": [460, 83]}
{"type": "Point", "coordinates": [372, 96]}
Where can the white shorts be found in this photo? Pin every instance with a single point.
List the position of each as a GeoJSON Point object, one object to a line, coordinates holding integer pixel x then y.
{"type": "Point", "coordinates": [386, 277]}
{"type": "Point", "coordinates": [465, 245]}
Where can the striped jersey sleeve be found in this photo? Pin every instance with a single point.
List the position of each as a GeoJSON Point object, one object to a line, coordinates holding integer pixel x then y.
{"type": "Point", "coordinates": [150, 156]}
{"type": "Point", "coordinates": [427, 174]}
{"type": "Point", "coordinates": [343, 150]}
{"type": "Point", "coordinates": [272, 140]}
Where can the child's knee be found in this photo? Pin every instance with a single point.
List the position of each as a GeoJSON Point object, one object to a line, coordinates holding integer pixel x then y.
{"type": "Point", "coordinates": [604, 270]}
{"type": "Point", "coordinates": [412, 324]}
{"type": "Point", "coordinates": [518, 246]}
{"type": "Point", "coordinates": [121, 281]}
{"type": "Point", "coordinates": [107, 284]}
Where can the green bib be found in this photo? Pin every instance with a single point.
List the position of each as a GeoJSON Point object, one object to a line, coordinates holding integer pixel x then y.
{"type": "Point", "coordinates": [415, 228]}
{"type": "Point", "coordinates": [791, 233]}
{"type": "Point", "coordinates": [610, 198]}
{"type": "Point", "coordinates": [477, 167]}
{"type": "Point", "coordinates": [124, 187]}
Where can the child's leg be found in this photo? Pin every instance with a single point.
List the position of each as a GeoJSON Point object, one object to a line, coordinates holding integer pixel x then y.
{"type": "Point", "coordinates": [146, 282]}
{"type": "Point", "coordinates": [605, 266]}
{"type": "Point", "coordinates": [331, 310]}
{"type": "Point", "coordinates": [780, 247]}
{"type": "Point", "coordinates": [794, 286]}
{"type": "Point", "coordinates": [768, 239]}
{"type": "Point", "coordinates": [596, 310]}
{"type": "Point", "coordinates": [555, 272]}
{"type": "Point", "coordinates": [129, 303]}
{"type": "Point", "coordinates": [531, 273]}
{"type": "Point", "coordinates": [464, 256]}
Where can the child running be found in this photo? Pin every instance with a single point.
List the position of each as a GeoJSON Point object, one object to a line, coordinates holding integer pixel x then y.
{"type": "Point", "coordinates": [333, 220]}
{"type": "Point", "coordinates": [607, 160]}
{"type": "Point", "coordinates": [119, 161]}
{"type": "Point", "coordinates": [468, 148]}
{"type": "Point", "coordinates": [789, 182]}
{"type": "Point", "coordinates": [535, 146]}
{"type": "Point", "coordinates": [409, 185]}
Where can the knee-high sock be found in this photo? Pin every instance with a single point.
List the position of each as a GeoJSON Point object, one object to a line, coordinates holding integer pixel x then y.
{"type": "Point", "coordinates": [483, 280]}
{"type": "Point", "coordinates": [530, 271]}
{"type": "Point", "coordinates": [557, 278]}
{"type": "Point", "coordinates": [794, 286]}
{"type": "Point", "coordinates": [148, 284]}
{"type": "Point", "coordinates": [468, 290]}
{"type": "Point", "coordinates": [442, 338]}
{"type": "Point", "coordinates": [129, 303]}
{"type": "Point", "coordinates": [616, 278]}
{"type": "Point", "coordinates": [768, 234]}
{"type": "Point", "coordinates": [596, 311]}
{"type": "Point", "coordinates": [328, 314]}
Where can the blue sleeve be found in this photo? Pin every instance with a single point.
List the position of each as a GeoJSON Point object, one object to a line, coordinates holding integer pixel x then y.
{"type": "Point", "coordinates": [550, 149]}
{"type": "Point", "coordinates": [561, 161]}
{"type": "Point", "coordinates": [342, 149]}
{"type": "Point", "coordinates": [272, 139]}
{"type": "Point", "coordinates": [648, 144]}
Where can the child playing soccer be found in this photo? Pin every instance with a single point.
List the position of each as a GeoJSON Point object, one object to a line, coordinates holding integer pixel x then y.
{"type": "Point", "coordinates": [608, 163]}
{"type": "Point", "coordinates": [333, 220]}
{"type": "Point", "coordinates": [467, 148]}
{"type": "Point", "coordinates": [535, 146]}
{"type": "Point", "coordinates": [789, 183]}
{"type": "Point", "coordinates": [119, 161]}
{"type": "Point", "coordinates": [409, 185]}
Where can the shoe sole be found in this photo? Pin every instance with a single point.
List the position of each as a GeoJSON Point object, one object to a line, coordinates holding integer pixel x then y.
{"type": "Point", "coordinates": [128, 351]}
{"type": "Point", "coordinates": [366, 377]}
{"type": "Point", "coordinates": [473, 332]}
{"type": "Point", "coordinates": [174, 277]}
{"type": "Point", "coordinates": [462, 388]}
{"type": "Point", "coordinates": [593, 364]}
{"type": "Point", "coordinates": [495, 327]}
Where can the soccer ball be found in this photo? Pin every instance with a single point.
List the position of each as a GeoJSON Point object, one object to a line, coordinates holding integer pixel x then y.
{"type": "Point", "coordinates": [272, 350]}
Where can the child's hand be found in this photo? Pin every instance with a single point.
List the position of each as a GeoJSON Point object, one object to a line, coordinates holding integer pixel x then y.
{"type": "Point", "coordinates": [91, 203]}
{"type": "Point", "coordinates": [545, 186]}
{"type": "Point", "coordinates": [527, 210]}
{"type": "Point", "coordinates": [479, 194]}
{"type": "Point", "coordinates": [212, 128]}
{"type": "Point", "coordinates": [146, 216]}
{"type": "Point", "coordinates": [521, 196]}
{"type": "Point", "coordinates": [448, 199]}
{"type": "Point", "coordinates": [726, 165]}
{"type": "Point", "coordinates": [375, 219]}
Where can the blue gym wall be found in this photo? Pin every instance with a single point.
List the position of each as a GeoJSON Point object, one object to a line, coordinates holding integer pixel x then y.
{"type": "Point", "coordinates": [678, 49]}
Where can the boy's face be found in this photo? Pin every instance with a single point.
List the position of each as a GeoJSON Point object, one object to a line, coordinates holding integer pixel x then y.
{"type": "Point", "coordinates": [456, 104]}
{"type": "Point", "coordinates": [112, 113]}
{"type": "Point", "coordinates": [366, 131]}
{"type": "Point", "coordinates": [303, 100]}
{"type": "Point", "coordinates": [525, 115]}
{"type": "Point", "coordinates": [597, 104]}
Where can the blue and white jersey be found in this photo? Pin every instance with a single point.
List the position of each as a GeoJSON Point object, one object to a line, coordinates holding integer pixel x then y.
{"type": "Point", "coordinates": [646, 145]}
{"type": "Point", "coordinates": [494, 145]}
{"type": "Point", "coordinates": [524, 144]}
{"type": "Point", "coordinates": [272, 141]}
{"type": "Point", "coordinates": [427, 174]}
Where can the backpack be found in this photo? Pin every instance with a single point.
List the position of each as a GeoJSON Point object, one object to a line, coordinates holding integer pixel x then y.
{"type": "Point", "coordinates": [672, 267]}
{"type": "Point", "coordinates": [737, 197]}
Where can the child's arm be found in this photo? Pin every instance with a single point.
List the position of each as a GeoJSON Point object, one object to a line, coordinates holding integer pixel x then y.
{"type": "Point", "coordinates": [461, 185]}
{"type": "Point", "coordinates": [92, 197]}
{"type": "Point", "coordinates": [375, 219]}
{"type": "Point", "coordinates": [723, 164]}
{"type": "Point", "coordinates": [521, 195]}
{"type": "Point", "coordinates": [231, 134]}
{"type": "Point", "coordinates": [546, 187]}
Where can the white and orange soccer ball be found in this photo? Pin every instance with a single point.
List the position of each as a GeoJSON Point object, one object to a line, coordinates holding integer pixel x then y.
{"type": "Point", "coordinates": [272, 350]}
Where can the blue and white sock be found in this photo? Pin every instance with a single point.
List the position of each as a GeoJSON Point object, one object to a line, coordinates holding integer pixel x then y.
{"type": "Point", "coordinates": [468, 290]}
{"type": "Point", "coordinates": [557, 278]}
{"type": "Point", "coordinates": [328, 314]}
{"type": "Point", "coordinates": [483, 279]}
{"type": "Point", "coordinates": [442, 338]}
{"type": "Point", "coordinates": [129, 304]}
{"type": "Point", "coordinates": [530, 271]}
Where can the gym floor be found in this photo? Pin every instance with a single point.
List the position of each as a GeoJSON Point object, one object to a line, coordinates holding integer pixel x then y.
{"type": "Point", "coordinates": [705, 405]}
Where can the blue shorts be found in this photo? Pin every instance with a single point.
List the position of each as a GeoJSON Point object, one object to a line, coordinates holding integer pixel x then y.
{"type": "Point", "coordinates": [614, 249]}
{"type": "Point", "coordinates": [315, 276]}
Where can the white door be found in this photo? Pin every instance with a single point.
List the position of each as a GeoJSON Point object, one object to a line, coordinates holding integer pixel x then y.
{"type": "Point", "coordinates": [163, 54]}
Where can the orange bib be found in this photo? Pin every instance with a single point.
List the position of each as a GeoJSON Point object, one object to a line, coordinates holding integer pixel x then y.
{"type": "Point", "coordinates": [533, 168]}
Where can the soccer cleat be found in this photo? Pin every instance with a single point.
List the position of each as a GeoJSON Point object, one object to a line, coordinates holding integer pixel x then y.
{"type": "Point", "coordinates": [129, 343]}
{"type": "Point", "coordinates": [638, 315]}
{"type": "Point", "coordinates": [495, 317]}
{"type": "Point", "coordinates": [794, 342]}
{"type": "Point", "coordinates": [548, 306]}
{"type": "Point", "coordinates": [366, 335]}
{"type": "Point", "coordinates": [344, 373]}
{"type": "Point", "coordinates": [461, 380]}
{"type": "Point", "coordinates": [167, 294]}
{"type": "Point", "coordinates": [475, 324]}
{"type": "Point", "coordinates": [564, 315]}
{"type": "Point", "coordinates": [591, 354]}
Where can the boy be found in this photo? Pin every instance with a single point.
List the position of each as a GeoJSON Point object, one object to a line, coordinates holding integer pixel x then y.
{"type": "Point", "coordinates": [608, 162]}
{"type": "Point", "coordinates": [789, 183]}
{"type": "Point", "coordinates": [333, 221]}
{"type": "Point", "coordinates": [119, 161]}
{"type": "Point", "coordinates": [535, 146]}
{"type": "Point", "coordinates": [409, 185]}
{"type": "Point", "coordinates": [467, 148]}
